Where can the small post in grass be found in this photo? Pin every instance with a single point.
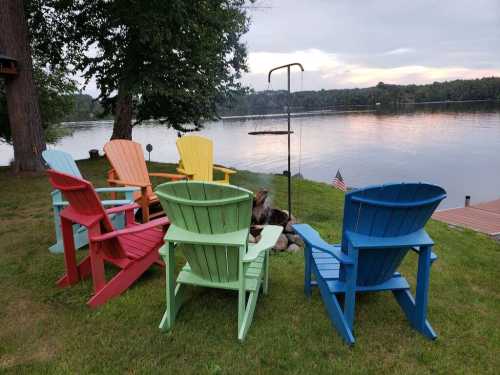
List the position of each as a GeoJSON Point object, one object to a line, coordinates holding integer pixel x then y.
{"type": "Point", "coordinates": [149, 148]}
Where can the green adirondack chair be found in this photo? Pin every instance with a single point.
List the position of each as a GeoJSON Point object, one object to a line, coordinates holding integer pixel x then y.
{"type": "Point", "coordinates": [210, 224]}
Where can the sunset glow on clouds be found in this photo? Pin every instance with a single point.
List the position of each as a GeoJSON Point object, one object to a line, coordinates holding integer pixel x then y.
{"type": "Point", "coordinates": [330, 71]}
{"type": "Point", "coordinates": [346, 44]}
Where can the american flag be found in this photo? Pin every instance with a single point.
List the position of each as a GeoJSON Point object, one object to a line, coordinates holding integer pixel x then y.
{"type": "Point", "coordinates": [338, 182]}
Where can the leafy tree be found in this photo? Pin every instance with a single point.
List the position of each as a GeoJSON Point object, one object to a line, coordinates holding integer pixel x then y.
{"type": "Point", "coordinates": [20, 92]}
{"type": "Point", "coordinates": [167, 60]}
{"type": "Point", "coordinates": [42, 92]}
{"type": "Point", "coordinates": [55, 94]}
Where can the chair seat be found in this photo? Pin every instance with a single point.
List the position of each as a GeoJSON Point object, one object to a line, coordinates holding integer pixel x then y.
{"type": "Point", "coordinates": [253, 274]}
{"type": "Point", "coordinates": [327, 267]}
{"type": "Point", "coordinates": [138, 245]}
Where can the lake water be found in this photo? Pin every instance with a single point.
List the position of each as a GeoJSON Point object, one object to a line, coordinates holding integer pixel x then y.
{"type": "Point", "coordinates": [459, 150]}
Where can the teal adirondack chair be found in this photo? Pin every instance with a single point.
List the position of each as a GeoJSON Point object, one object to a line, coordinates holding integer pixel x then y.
{"type": "Point", "coordinates": [210, 223]}
{"type": "Point", "coordinates": [63, 162]}
{"type": "Point", "coordinates": [381, 225]}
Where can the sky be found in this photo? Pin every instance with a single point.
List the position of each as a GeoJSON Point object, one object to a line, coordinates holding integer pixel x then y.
{"type": "Point", "coordinates": [358, 43]}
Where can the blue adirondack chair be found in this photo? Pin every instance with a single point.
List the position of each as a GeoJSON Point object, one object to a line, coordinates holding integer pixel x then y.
{"type": "Point", "coordinates": [381, 224]}
{"type": "Point", "coordinates": [63, 162]}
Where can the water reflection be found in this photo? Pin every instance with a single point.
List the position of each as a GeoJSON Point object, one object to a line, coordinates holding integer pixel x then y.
{"type": "Point", "coordinates": [457, 149]}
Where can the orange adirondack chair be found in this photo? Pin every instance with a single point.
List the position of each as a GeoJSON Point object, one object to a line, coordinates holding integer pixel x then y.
{"type": "Point", "coordinates": [129, 169]}
{"type": "Point", "coordinates": [133, 249]}
{"type": "Point", "coordinates": [196, 160]}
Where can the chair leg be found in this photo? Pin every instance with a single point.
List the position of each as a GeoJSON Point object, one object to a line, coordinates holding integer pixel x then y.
{"type": "Point", "coordinates": [416, 311]}
{"type": "Point", "coordinates": [407, 304]}
{"type": "Point", "coordinates": [241, 290]}
{"type": "Point", "coordinates": [98, 277]}
{"type": "Point", "coordinates": [58, 247]}
{"type": "Point", "coordinates": [180, 297]}
{"type": "Point", "coordinates": [265, 283]}
{"type": "Point", "coordinates": [307, 271]}
{"type": "Point", "coordinates": [72, 275]}
{"type": "Point", "coordinates": [145, 207]}
{"type": "Point", "coordinates": [350, 294]}
{"type": "Point", "coordinates": [167, 322]}
{"type": "Point", "coordinates": [335, 313]}
{"type": "Point", "coordinates": [84, 271]}
{"type": "Point", "coordinates": [96, 263]}
{"type": "Point", "coordinates": [245, 312]}
{"type": "Point", "coordinates": [343, 321]}
{"type": "Point", "coordinates": [247, 317]}
{"type": "Point", "coordinates": [123, 280]}
{"type": "Point", "coordinates": [422, 292]}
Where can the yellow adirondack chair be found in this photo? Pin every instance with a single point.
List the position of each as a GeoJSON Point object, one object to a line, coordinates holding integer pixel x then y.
{"type": "Point", "coordinates": [196, 159]}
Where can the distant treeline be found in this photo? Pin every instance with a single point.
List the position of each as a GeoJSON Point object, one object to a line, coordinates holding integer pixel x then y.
{"type": "Point", "coordinates": [387, 95]}
{"type": "Point", "coordinates": [84, 108]}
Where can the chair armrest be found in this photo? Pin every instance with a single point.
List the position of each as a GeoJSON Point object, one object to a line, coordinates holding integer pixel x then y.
{"type": "Point", "coordinates": [117, 189]}
{"type": "Point", "coordinates": [269, 237]}
{"type": "Point", "coordinates": [116, 202]}
{"type": "Point", "coordinates": [129, 183]}
{"type": "Point", "coordinates": [184, 172]}
{"type": "Point", "coordinates": [224, 170]}
{"type": "Point", "coordinates": [60, 204]}
{"type": "Point", "coordinates": [125, 207]}
{"type": "Point", "coordinates": [163, 221]}
{"type": "Point", "coordinates": [110, 202]}
{"type": "Point", "coordinates": [313, 239]}
{"type": "Point", "coordinates": [171, 176]}
{"type": "Point", "coordinates": [418, 238]}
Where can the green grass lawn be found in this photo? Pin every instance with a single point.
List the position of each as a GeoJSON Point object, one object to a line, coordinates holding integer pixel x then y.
{"type": "Point", "coordinates": [44, 329]}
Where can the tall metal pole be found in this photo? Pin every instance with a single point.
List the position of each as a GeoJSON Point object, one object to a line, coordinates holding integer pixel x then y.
{"type": "Point", "coordinates": [288, 66]}
{"type": "Point", "coordinates": [289, 168]}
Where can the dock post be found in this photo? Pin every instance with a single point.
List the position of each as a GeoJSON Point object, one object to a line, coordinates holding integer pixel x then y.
{"type": "Point", "coordinates": [467, 200]}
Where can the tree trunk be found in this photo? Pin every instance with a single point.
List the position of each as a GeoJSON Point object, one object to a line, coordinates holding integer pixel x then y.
{"type": "Point", "coordinates": [122, 127]}
{"type": "Point", "coordinates": [22, 97]}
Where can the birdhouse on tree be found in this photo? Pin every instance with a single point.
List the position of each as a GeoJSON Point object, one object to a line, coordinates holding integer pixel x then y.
{"type": "Point", "coordinates": [8, 66]}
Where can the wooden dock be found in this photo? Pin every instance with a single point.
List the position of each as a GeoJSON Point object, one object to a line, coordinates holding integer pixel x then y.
{"type": "Point", "coordinates": [482, 217]}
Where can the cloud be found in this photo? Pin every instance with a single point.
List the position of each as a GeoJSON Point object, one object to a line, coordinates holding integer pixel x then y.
{"type": "Point", "coordinates": [325, 70]}
{"type": "Point", "coordinates": [346, 43]}
{"type": "Point", "coordinates": [399, 51]}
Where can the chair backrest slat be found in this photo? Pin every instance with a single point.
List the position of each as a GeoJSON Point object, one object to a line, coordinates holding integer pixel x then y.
{"type": "Point", "coordinates": [196, 154]}
{"type": "Point", "coordinates": [387, 211]}
{"type": "Point", "coordinates": [61, 161]}
{"type": "Point", "coordinates": [208, 208]}
{"type": "Point", "coordinates": [127, 160]}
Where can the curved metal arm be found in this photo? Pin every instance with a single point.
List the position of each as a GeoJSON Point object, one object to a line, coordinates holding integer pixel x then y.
{"type": "Point", "coordinates": [281, 67]}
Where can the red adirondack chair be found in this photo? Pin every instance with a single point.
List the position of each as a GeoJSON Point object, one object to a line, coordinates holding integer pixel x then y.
{"type": "Point", "coordinates": [132, 249]}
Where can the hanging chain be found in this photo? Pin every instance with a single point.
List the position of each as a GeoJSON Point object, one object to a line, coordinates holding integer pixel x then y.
{"type": "Point", "coordinates": [300, 177]}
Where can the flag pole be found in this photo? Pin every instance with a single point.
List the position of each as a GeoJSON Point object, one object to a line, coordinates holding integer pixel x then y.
{"type": "Point", "coordinates": [287, 66]}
